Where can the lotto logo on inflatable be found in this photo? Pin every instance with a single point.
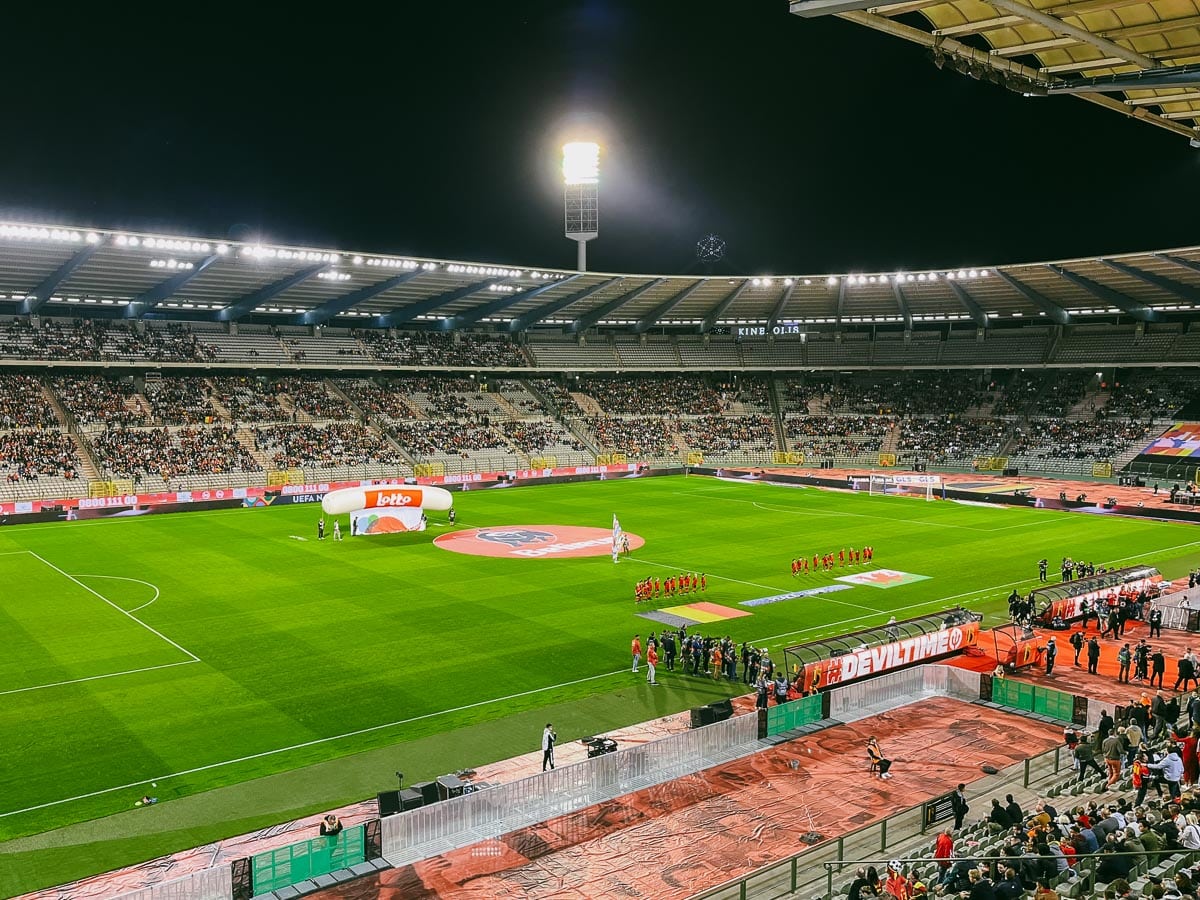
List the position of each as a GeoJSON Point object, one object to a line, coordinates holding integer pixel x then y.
{"type": "Point", "coordinates": [399, 497]}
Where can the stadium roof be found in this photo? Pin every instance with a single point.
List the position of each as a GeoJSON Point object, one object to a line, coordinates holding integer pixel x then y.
{"type": "Point", "coordinates": [62, 271]}
{"type": "Point", "coordinates": [1137, 58]}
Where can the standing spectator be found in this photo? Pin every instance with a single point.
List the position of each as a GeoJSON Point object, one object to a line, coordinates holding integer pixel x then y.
{"type": "Point", "coordinates": [1171, 767]}
{"type": "Point", "coordinates": [1076, 641]}
{"type": "Point", "coordinates": [1124, 658]}
{"type": "Point", "coordinates": [1051, 655]}
{"type": "Point", "coordinates": [1184, 672]}
{"type": "Point", "coordinates": [635, 648]}
{"type": "Point", "coordinates": [1114, 752]}
{"type": "Point", "coordinates": [1158, 666]}
{"type": "Point", "coordinates": [1155, 622]}
{"type": "Point", "coordinates": [958, 804]}
{"type": "Point", "coordinates": [943, 850]}
{"type": "Point", "coordinates": [1093, 651]}
{"type": "Point", "coordinates": [651, 663]}
{"type": "Point", "coordinates": [549, 737]}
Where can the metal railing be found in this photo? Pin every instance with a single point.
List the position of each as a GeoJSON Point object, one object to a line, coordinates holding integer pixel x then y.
{"type": "Point", "coordinates": [497, 810]}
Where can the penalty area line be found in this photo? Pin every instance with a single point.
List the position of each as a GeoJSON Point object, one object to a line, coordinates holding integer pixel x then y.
{"type": "Point", "coordinates": [313, 743]}
{"type": "Point", "coordinates": [53, 684]}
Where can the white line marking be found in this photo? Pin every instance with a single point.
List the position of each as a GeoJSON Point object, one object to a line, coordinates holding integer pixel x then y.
{"type": "Point", "coordinates": [38, 687]}
{"type": "Point", "coordinates": [312, 743]}
{"type": "Point", "coordinates": [154, 588]}
{"type": "Point", "coordinates": [96, 593]}
{"type": "Point", "coordinates": [766, 587]}
{"type": "Point", "coordinates": [12, 552]}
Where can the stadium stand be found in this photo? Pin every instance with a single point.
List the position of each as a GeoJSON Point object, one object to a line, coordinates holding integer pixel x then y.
{"type": "Point", "coordinates": [23, 403]}
{"type": "Point", "coordinates": [96, 401]}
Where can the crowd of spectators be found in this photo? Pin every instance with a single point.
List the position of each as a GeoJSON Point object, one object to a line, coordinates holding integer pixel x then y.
{"type": "Point", "coordinates": [248, 399]}
{"type": "Point", "coordinates": [555, 393]}
{"type": "Point", "coordinates": [798, 395]}
{"type": "Point", "coordinates": [726, 434]}
{"type": "Point", "coordinates": [637, 436]}
{"type": "Point", "coordinates": [443, 437]}
{"type": "Point", "coordinates": [751, 391]}
{"type": "Point", "coordinates": [327, 446]}
{"type": "Point", "coordinates": [436, 349]}
{"type": "Point", "coordinates": [99, 400]}
{"type": "Point", "coordinates": [27, 454]}
{"type": "Point", "coordinates": [837, 435]}
{"type": "Point", "coordinates": [172, 343]}
{"type": "Point", "coordinates": [935, 393]}
{"type": "Point", "coordinates": [654, 396]}
{"type": "Point", "coordinates": [310, 395]}
{"type": "Point", "coordinates": [1150, 395]}
{"type": "Point", "coordinates": [535, 436]}
{"type": "Point", "coordinates": [375, 401]}
{"type": "Point", "coordinates": [440, 398]}
{"type": "Point", "coordinates": [942, 439]}
{"type": "Point", "coordinates": [1078, 439]}
{"type": "Point", "coordinates": [23, 403]}
{"type": "Point", "coordinates": [180, 401]}
{"type": "Point", "coordinates": [86, 339]}
{"type": "Point", "coordinates": [171, 453]}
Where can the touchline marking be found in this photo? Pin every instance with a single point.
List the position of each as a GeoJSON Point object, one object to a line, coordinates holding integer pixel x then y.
{"type": "Point", "coordinates": [312, 743]}
{"type": "Point", "coordinates": [154, 588]}
{"type": "Point", "coordinates": [96, 593]}
{"type": "Point", "coordinates": [766, 587]}
{"type": "Point", "coordinates": [38, 687]}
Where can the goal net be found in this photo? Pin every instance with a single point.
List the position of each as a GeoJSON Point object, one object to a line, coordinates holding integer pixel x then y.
{"type": "Point", "coordinates": [928, 487]}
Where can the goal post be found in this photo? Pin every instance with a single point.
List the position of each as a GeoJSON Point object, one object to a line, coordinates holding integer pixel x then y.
{"type": "Point", "coordinates": [928, 487]}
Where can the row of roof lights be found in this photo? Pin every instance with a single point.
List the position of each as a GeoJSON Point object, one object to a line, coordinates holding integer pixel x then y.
{"type": "Point", "coordinates": [483, 270]}
{"type": "Point", "coordinates": [32, 232]}
{"type": "Point", "coordinates": [132, 240]}
{"type": "Point", "coordinates": [259, 252]}
{"type": "Point", "coordinates": [334, 276]}
{"type": "Point", "coordinates": [171, 264]}
{"type": "Point", "coordinates": [898, 278]}
{"type": "Point", "coordinates": [502, 288]}
{"type": "Point", "coordinates": [391, 263]}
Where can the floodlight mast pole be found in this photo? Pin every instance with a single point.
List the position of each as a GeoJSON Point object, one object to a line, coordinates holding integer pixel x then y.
{"type": "Point", "coordinates": [581, 207]}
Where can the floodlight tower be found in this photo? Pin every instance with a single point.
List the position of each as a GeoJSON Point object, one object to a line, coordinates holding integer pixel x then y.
{"type": "Point", "coordinates": [581, 207]}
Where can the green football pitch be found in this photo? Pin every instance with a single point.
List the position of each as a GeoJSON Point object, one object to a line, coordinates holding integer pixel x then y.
{"type": "Point", "coordinates": [207, 650]}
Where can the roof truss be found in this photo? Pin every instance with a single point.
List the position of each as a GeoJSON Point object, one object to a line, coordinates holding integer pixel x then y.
{"type": "Point", "coordinates": [413, 311]}
{"type": "Point", "coordinates": [589, 319]}
{"type": "Point", "coordinates": [250, 302]}
{"type": "Point", "coordinates": [647, 321]}
{"type": "Point", "coordinates": [521, 323]}
{"type": "Point", "coordinates": [1110, 296]}
{"type": "Point", "coordinates": [1053, 311]}
{"type": "Point", "coordinates": [37, 298]}
{"type": "Point", "coordinates": [969, 304]}
{"type": "Point", "coordinates": [503, 302]}
{"type": "Point", "coordinates": [167, 289]}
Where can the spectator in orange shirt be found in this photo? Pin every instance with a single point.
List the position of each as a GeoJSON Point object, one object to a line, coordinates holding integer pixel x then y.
{"type": "Point", "coordinates": [636, 649]}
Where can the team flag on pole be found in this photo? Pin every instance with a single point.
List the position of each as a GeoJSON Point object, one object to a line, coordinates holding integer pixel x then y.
{"type": "Point", "coordinates": [616, 547]}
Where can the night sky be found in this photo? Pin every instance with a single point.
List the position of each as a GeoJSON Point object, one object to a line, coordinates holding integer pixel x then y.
{"type": "Point", "coordinates": [436, 132]}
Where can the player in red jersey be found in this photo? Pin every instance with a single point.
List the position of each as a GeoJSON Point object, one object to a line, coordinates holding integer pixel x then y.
{"type": "Point", "coordinates": [703, 582]}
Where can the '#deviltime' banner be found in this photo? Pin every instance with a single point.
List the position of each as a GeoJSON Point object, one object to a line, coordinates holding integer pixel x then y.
{"type": "Point", "coordinates": [875, 660]}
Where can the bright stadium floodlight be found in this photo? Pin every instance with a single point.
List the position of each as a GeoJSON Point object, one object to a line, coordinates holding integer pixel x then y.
{"type": "Point", "coordinates": [581, 210]}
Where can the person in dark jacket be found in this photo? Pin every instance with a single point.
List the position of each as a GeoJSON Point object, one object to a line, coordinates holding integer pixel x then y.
{"type": "Point", "coordinates": [998, 817]}
{"type": "Point", "coordinates": [1014, 810]}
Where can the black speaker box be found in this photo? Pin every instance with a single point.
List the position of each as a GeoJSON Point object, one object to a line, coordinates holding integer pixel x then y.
{"type": "Point", "coordinates": [428, 791]}
{"type": "Point", "coordinates": [722, 710]}
{"type": "Point", "coordinates": [389, 803]}
{"type": "Point", "coordinates": [697, 721]}
{"type": "Point", "coordinates": [450, 786]}
{"type": "Point", "coordinates": [410, 799]}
